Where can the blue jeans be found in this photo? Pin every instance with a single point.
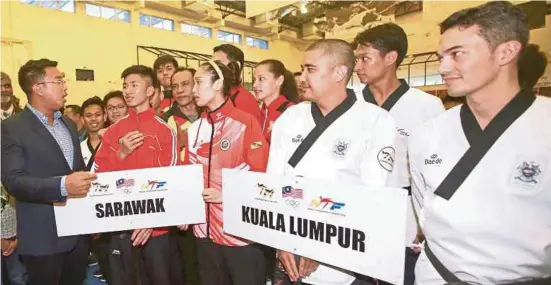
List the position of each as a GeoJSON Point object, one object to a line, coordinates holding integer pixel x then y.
{"type": "Point", "coordinates": [17, 274]}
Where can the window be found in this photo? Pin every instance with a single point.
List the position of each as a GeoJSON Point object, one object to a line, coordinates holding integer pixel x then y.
{"type": "Point", "coordinates": [229, 37]}
{"type": "Point", "coordinates": [431, 79]}
{"type": "Point", "coordinates": [197, 30]}
{"type": "Point", "coordinates": [258, 43]}
{"type": "Point", "coordinates": [407, 7]}
{"type": "Point", "coordinates": [67, 5]}
{"type": "Point", "coordinates": [156, 22]}
{"type": "Point", "coordinates": [107, 13]}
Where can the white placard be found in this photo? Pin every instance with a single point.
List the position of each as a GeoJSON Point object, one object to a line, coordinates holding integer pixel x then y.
{"type": "Point", "coordinates": [350, 226]}
{"type": "Point", "coordinates": [134, 199]}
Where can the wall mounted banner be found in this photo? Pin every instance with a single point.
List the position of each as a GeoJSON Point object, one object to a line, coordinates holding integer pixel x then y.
{"type": "Point", "coordinates": [346, 225]}
{"type": "Point", "coordinates": [135, 199]}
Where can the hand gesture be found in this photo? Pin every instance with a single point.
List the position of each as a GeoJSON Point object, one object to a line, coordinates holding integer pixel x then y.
{"type": "Point", "coordinates": [8, 246]}
{"type": "Point", "coordinates": [140, 236]}
{"type": "Point", "coordinates": [129, 142]}
{"type": "Point", "coordinates": [307, 266]}
{"type": "Point", "coordinates": [79, 183]}
{"type": "Point", "coordinates": [211, 195]}
{"type": "Point", "coordinates": [287, 259]}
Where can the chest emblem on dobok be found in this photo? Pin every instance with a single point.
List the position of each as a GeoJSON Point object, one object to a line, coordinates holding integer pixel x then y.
{"type": "Point", "coordinates": [528, 172]}
{"type": "Point", "coordinates": [386, 158]}
{"type": "Point", "coordinates": [340, 148]}
{"type": "Point", "coordinates": [297, 139]}
{"type": "Point", "coordinates": [434, 159]}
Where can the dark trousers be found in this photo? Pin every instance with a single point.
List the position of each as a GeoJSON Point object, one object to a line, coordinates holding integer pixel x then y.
{"type": "Point", "coordinates": [68, 268]}
{"type": "Point", "coordinates": [227, 265]}
{"type": "Point", "coordinates": [125, 260]}
{"type": "Point", "coordinates": [14, 272]}
{"type": "Point", "coordinates": [187, 246]}
{"type": "Point", "coordinates": [155, 263]}
{"type": "Point", "coordinates": [101, 248]}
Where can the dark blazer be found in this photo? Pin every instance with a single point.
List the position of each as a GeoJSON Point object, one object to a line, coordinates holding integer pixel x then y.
{"type": "Point", "coordinates": [32, 167]}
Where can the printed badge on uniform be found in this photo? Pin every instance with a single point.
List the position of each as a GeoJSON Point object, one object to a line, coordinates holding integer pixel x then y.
{"type": "Point", "coordinates": [386, 158]}
{"type": "Point", "coordinates": [256, 145]}
{"type": "Point", "coordinates": [528, 173]}
{"type": "Point", "coordinates": [225, 144]}
{"type": "Point", "coordinates": [340, 148]}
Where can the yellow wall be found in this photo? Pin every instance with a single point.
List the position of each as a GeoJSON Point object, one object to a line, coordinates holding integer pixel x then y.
{"type": "Point", "coordinates": [76, 40]}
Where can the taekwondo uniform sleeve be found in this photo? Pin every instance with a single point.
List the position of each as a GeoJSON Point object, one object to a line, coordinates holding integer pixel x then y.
{"type": "Point", "coordinates": [378, 159]}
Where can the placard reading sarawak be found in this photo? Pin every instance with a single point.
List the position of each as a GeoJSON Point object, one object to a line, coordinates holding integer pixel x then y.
{"type": "Point", "coordinates": [135, 199]}
{"type": "Point", "coordinates": [349, 226]}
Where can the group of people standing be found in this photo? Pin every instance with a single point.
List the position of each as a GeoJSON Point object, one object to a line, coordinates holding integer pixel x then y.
{"type": "Point", "coordinates": [477, 173]}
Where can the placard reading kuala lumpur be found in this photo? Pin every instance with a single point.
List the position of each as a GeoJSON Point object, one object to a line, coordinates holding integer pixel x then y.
{"type": "Point", "coordinates": [349, 226]}
{"type": "Point", "coordinates": [135, 199]}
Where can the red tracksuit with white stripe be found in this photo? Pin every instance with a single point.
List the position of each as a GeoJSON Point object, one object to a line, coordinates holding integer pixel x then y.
{"type": "Point", "coordinates": [244, 100]}
{"type": "Point", "coordinates": [224, 138]}
{"type": "Point", "coordinates": [159, 147]}
{"type": "Point", "coordinates": [270, 113]}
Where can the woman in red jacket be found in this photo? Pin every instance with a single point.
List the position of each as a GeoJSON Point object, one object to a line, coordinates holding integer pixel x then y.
{"type": "Point", "coordinates": [276, 88]}
{"type": "Point", "coordinates": [224, 137]}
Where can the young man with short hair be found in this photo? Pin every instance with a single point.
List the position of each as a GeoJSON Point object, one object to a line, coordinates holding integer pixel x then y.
{"type": "Point", "coordinates": [73, 113]}
{"type": "Point", "coordinates": [239, 96]}
{"type": "Point", "coordinates": [379, 51]}
{"type": "Point", "coordinates": [164, 66]}
{"type": "Point", "coordinates": [140, 140]}
{"type": "Point", "coordinates": [365, 128]}
{"type": "Point", "coordinates": [481, 170]}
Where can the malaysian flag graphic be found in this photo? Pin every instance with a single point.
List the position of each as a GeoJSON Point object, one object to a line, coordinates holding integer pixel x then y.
{"type": "Point", "coordinates": [289, 191]}
{"type": "Point", "coordinates": [125, 183]}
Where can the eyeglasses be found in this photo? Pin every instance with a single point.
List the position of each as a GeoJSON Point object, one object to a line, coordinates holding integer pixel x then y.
{"type": "Point", "coordinates": [113, 108]}
{"type": "Point", "coordinates": [59, 82]}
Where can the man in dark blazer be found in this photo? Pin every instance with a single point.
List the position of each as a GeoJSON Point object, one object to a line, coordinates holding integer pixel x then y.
{"type": "Point", "coordinates": [42, 164]}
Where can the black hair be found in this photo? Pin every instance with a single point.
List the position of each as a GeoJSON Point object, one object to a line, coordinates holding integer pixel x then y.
{"type": "Point", "coordinates": [499, 22]}
{"type": "Point", "coordinates": [531, 66]}
{"type": "Point", "coordinates": [226, 73]}
{"type": "Point", "coordinates": [182, 69]}
{"type": "Point", "coordinates": [297, 74]}
{"type": "Point", "coordinates": [90, 102]}
{"type": "Point", "coordinates": [385, 38]}
{"type": "Point", "coordinates": [236, 71]}
{"type": "Point", "coordinates": [32, 72]}
{"type": "Point", "coordinates": [111, 95]}
{"type": "Point", "coordinates": [338, 50]}
{"type": "Point", "coordinates": [143, 71]}
{"type": "Point", "coordinates": [74, 108]}
{"type": "Point", "coordinates": [233, 53]}
{"type": "Point", "coordinates": [289, 86]}
{"type": "Point", "coordinates": [164, 59]}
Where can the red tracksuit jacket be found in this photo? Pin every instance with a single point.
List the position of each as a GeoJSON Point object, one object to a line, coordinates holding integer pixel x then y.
{"type": "Point", "coordinates": [158, 149]}
{"type": "Point", "coordinates": [224, 138]}
{"type": "Point", "coordinates": [270, 113]}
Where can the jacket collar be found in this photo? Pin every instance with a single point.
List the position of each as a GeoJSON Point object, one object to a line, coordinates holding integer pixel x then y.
{"type": "Point", "coordinates": [275, 104]}
{"type": "Point", "coordinates": [218, 114]}
{"type": "Point", "coordinates": [147, 114]}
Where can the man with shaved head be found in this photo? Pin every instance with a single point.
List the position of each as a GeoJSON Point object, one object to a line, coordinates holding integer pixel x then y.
{"type": "Point", "coordinates": [336, 137]}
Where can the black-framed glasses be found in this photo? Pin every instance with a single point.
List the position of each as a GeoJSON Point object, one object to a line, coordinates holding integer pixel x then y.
{"type": "Point", "coordinates": [113, 108]}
